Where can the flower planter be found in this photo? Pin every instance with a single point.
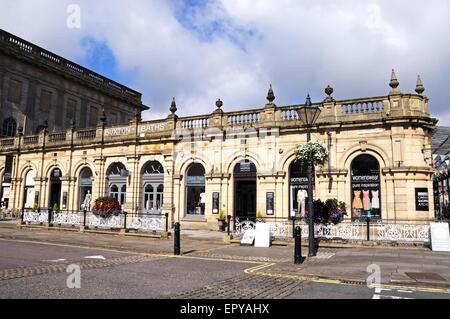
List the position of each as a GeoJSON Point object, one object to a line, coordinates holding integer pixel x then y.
{"type": "Point", "coordinates": [222, 225]}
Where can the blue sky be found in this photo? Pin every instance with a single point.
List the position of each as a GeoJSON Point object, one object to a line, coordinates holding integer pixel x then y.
{"type": "Point", "coordinates": [198, 51]}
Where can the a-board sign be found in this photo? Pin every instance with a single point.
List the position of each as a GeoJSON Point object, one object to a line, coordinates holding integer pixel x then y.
{"type": "Point", "coordinates": [249, 237]}
{"type": "Point", "coordinates": [440, 237]}
{"type": "Point", "coordinates": [262, 239]}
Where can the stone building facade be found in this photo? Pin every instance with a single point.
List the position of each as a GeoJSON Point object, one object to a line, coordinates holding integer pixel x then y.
{"type": "Point", "coordinates": [240, 163]}
{"type": "Point", "coordinates": [37, 87]}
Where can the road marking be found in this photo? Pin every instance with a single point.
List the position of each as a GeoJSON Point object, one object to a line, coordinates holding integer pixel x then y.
{"type": "Point", "coordinates": [316, 279]}
{"type": "Point", "coordinates": [405, 291]}
{"type": "Point", "coordinates": [54, 261]}
{"type": "Point", "coordinates": [389, 297]}
{"type": "Point", "coordinates": [95, 257]}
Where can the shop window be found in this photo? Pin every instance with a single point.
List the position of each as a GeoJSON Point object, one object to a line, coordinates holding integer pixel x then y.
{"type": "Point", "coordinates": [29, 195]}
{"type": "Point", "coordinates": [195, 190]}
{"type": "Point", "coordinates": [117, 176]}
{"type": "Point", "coordinates": [365, 188]}
{"type": "Point", "coordinates": [298, 189]}
{"type": "Point", "coordinates": [153, 187]}
{"type": "Point", "coordinates": [85, 189]}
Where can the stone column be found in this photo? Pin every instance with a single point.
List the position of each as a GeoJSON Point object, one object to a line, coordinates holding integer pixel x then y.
{"type": "Point", "coordinates": [178, 202]}
{"type": "Point", "coordinates": [100, 189]}
{"type": "Point", "coordinates": [130, 204]}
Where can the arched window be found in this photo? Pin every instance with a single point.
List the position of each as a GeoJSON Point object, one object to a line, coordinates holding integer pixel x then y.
{"type": "Point", "coordinates": [195, 190]}
{"type": "Point", "coordinates": [365, 187]}
{"type": "Point", "coordinates": [153, 187]}
{"type": "Point", "coordinates": [85, 189]}
{"type": "Point", "coordinates": [117, 176]}
{"type": "Point", "coordinates": [9, 127]}
{"type": "Point", "coordinates": [29, 195]}
{"type": "Point", "coordinates": [245, 180]}
{"type": "Point", "coordinates": [298, 184]}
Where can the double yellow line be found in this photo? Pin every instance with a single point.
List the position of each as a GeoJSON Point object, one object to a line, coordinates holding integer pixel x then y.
{"type": "Point", "coordinates": [257, 271]}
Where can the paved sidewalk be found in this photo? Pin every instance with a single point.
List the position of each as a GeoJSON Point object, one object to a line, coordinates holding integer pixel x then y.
{"type": "Point", "coordinates": [400, 266]}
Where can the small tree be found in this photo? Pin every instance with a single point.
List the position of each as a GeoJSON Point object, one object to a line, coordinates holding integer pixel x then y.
{"type": "Point", "coordinates": [55, 208]}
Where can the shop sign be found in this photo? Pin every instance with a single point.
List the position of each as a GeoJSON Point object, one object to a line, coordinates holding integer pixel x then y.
{"type": "Point", "coordinates": [6, 193]}
{"type": "Point", "coordinates": [422, 203]}
{"type": "Point", "coordinates": [215, 203]}
{"type": "Point", "coordinates": [245, 167]}
{"type": "Point", "coordinates": [270, 205]}
{"type": "Point", "coordinates": [195, 180]}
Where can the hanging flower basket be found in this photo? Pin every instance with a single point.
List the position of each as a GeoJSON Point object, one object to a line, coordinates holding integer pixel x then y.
{"type": "Point", "coordinates": [312, 153]}
{"type": "Point", "coordinates": [106, 207]}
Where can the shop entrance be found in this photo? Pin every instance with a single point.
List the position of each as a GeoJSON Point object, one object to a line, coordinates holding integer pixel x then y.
{"type": "Point", "coordinates": [55, 188]}
{"type": "Point", "coordinates": [245, 190]}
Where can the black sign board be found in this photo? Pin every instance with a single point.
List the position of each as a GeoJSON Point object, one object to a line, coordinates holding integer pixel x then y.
{"type": "Point", "coordinates": [422, 203]}
{"type": "Point", "coordinates": [36, 198]}
{"type": "Point", "coordinates": [64, 203]}
{"type": "Point", "coordinates": [270, 204]}
{"type": "Point", "coordinates": [215, 202]}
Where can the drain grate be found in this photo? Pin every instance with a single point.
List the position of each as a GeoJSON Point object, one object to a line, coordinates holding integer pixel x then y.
{"type": "Point", "coordinates": [423, 276]}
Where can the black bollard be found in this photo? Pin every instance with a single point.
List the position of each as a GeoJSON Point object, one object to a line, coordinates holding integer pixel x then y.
{"type": "Point", "coordinates": [167, 222]}
{"type": "Point", "coordinates": [125, 214]}
{"type": "Point", "coordinates": [298, 245]}
{"type": "Point", "coordinates": [21, 219]}
{"type": "Point", "coordinates": [177, 241]}
{"type": "Point", "coordinates": [229, 225]}
{"type": "Point", "coordinates": [50, 212]}
{"type": "Point", "coordinates": [84, 217]}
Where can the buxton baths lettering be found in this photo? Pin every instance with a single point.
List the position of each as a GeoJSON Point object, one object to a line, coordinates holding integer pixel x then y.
{"type": "Point", "coordinates": [151, 128]}
{"type": "Point", "coordinates": [117, 131]}
{"type": "Point", "coordinates": [229, 309]}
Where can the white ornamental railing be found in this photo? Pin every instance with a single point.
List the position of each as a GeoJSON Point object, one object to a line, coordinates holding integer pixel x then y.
{"type": "Point", "coordinates": [31, 217]}
{"type": "Point", "coordinates": [398, 232]}
{"type": "Point", "coordinates": [148, 223]}
{"type": "Point", "coordinates": [115, 222]}
{"type": "Point", "coordinates": [345, 231]}
{"type": "Point", "coordinates": [67, 219]}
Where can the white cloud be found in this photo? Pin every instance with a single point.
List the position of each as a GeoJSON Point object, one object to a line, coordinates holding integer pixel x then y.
{"type": "Point", "coordinates": [299, 46]}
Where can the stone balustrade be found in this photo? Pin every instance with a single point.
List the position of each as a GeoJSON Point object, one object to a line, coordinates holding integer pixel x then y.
{"type": "Point", "coordinates": [351, 111]}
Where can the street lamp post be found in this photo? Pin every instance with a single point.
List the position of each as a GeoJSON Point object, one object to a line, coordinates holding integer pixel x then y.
{"type": "Point", "coordinates": [309, 114]}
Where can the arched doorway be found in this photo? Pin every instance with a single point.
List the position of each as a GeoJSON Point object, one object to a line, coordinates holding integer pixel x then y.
{"type": "Point", "coordinates": [9, 127]}
{"type": "Point", "coordinates": [29, 194]}
{"type": "Point", "coordinates": [365, 187]}
{"type": "Point", "coordinates": [153, 188]}
{"type": "Point", "coordinates": [85, 189]}
{"type": "Point", "coordinates": [117, 176]}
{"type": "Point", "coordinates": [298, 182]}
{"type": "Point", "coordinates": [195, 190]}
{"type": "Point", "coordinates": [245, 190]}
{"type": "Point", "coordinates": [55, 188]}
